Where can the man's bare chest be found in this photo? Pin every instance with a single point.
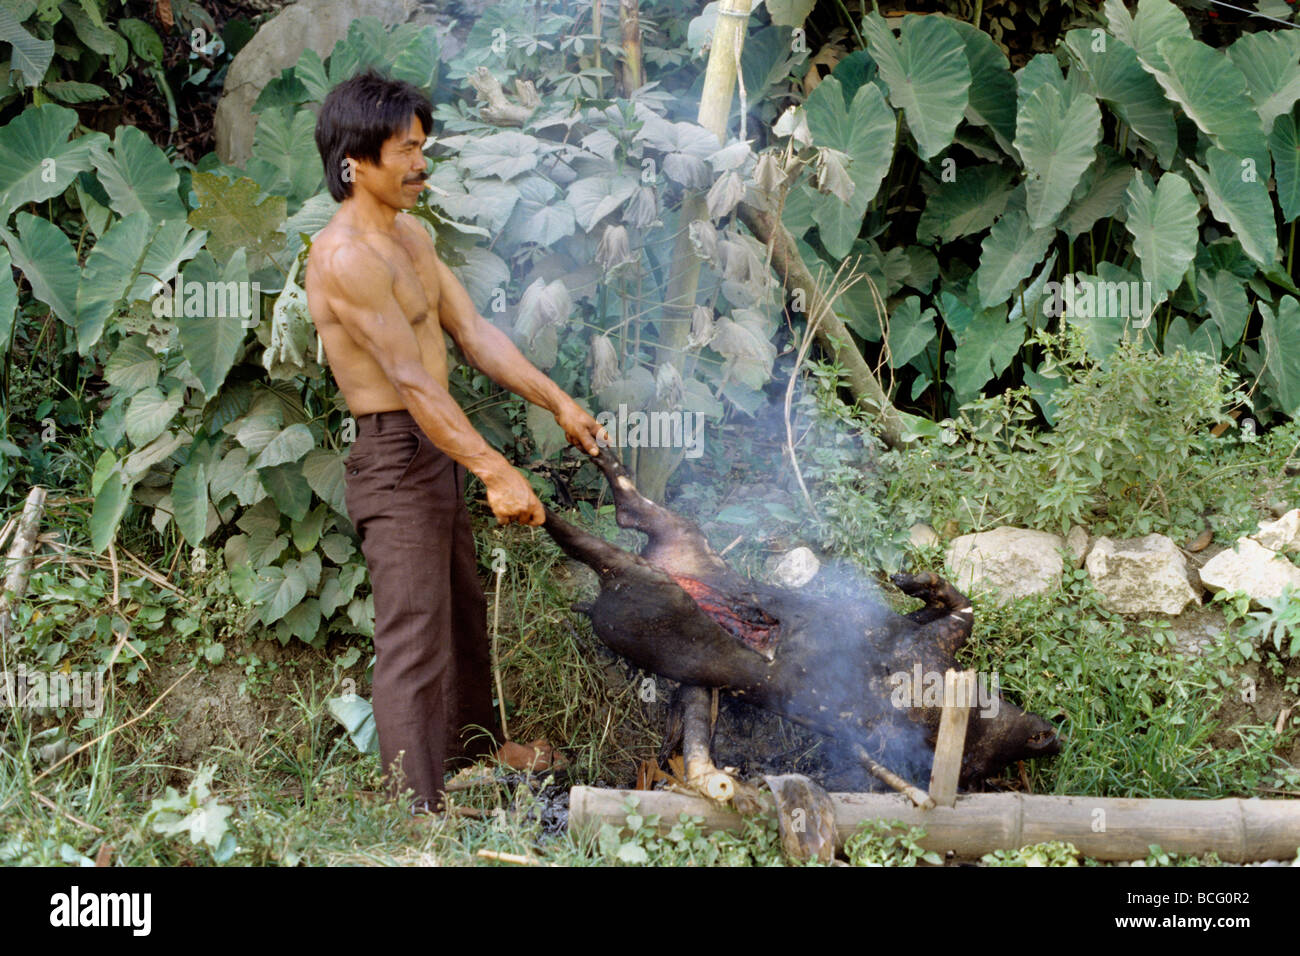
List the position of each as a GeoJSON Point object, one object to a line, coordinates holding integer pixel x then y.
{"type": "Point", "coordinates": [415, 283]}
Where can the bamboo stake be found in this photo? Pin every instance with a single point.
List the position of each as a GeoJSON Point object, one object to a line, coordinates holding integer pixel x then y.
{"type": "Point", "coordinates": [958, 695]}
{"type": "Point", "coordinates": [1103, 828]}
{"type": "Point", "coordinates": [701, 772]}
{"type": "Point", "coordinates": [20, 558]}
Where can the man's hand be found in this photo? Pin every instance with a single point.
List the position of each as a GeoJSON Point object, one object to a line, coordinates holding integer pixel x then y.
{"type": "Point", "coordinates": [583, 430]}
{"type": "Point", "coordinates": [511, 498]}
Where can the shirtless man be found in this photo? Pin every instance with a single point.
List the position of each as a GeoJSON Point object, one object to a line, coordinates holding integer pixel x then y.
{"type": "Point", "coordinates": [381, 300]}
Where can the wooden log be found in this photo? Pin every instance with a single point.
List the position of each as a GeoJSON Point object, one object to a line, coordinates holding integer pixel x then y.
{"type": "Point", "coordinates": [697, 732]}
{"type": "Point", "coordinates": [958, 696]}
{"type": "Point", "coordinates": [20, 557]}
{"type": "Point", "coordinates": [1104, 828]}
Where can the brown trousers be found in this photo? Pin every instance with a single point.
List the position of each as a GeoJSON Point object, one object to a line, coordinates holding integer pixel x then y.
{"type": "Point", "coordinates": [432, 675]}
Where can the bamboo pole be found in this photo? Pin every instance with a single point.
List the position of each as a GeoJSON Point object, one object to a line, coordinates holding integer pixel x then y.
{"type": "Point", "coordinates": [958, 695]}
{"type": "Point", "coordinates": [655, 465]}
{"type": "Point", "coordinates": [629, 18]}
{"type": "Point", "coordinates": [20, 557]}
{"type": "Point", "coordinates": [1104, 828]}
{"type": "Point", "coordinates": [697, 730]}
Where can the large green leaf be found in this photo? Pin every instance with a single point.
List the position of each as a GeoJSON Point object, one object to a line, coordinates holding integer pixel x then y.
{"type": "Point", "coordinates": [212, 342]}
{"type": "Point", "coordinates": [287, 486]}
{"type": "Point", "coordinates": [1163, 225]}
{"type": "Point", "coordinates": [910, 331]}
{"type": "Point", "coordinates": [44, 255]}
{"type": "Point", "coordinates": [969, 204]}
{"type": "Point", "coordinates": [357, 715]}
{"type": "Point", "coordinates": [132, 366]}
{"type": "Point", "coordinates": [864, 131]}
{"type": "Point", "coordinates": [110, 504]}
{"type": "Point", "coordinates": [190, 501]}
{"type": "Point", "coordinates": [1212, 92]}
{"type": "Point", "coordinates": [172, 243]}
{"type": "Point", "coordinates": [323, 471]}
{"type": "Point", "coordinates": [540, 217]}
{"type": "Point", "coordinates": [1242, 202]}
{"type": "Point", "coordinates": [1270, 62]}
{"type": "Point", "coordinates": [993, 88]}
{"type": "Point", "coordinates": [289, 445]}
{"type": "Point", "coordinates": [1281, 335]}
{"type": "Point", "coordinates": [1058, 144]}
{"type": "Point", "coordinates": [505, 154]}
{"type": "Point", "coordinates": [984, 350]}
{"type": "Point", "coordinates": [1225, 298]}
{"type": "Point", "coordinates": [1284, 144]}
{"type": "Point", "coordinates": [1118, 79]}
{"type": "Point", "coordinates": [237, 214]}
{"type": "Point", "coordinates": [1009, 253]}
{"type": "Point", "coordinates": [112, 266]}
{"type": "Point", "coordinates": [285, 160]}
{"type": "Point", "coordinates": [928, 75]}
{"type": "Point", "coordinates": [279, 590]}
{"type": "Point", "coordinates": [29, 55]}
{"type": "Point", "coordinates": [138, 177]}
{"type": "Point", "coordinates": [1155, 20]}
{"type": "Point", "coordinates": [150, 412]}
{"type": "Point", "coordinates": [596, 197]}
{"type": "Point", "coordinates": [37, 160]}
{"type": "Point", "coordinates": [8, 297]}
{"type": "Point", "coordinates": [1099, 194]}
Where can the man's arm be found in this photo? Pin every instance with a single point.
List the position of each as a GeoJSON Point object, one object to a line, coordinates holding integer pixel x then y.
{"type": "Point", "coordinates": [490, 351]}
{"type": "Point", "coordinates": [360, 288]}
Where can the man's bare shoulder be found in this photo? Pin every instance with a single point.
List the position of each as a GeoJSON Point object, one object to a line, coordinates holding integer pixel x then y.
{"type": "Point", "coordinates": [340, 252]}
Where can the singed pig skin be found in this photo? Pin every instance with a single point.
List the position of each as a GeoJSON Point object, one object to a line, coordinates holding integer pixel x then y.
{"type": "Point", "coordinates": [831, 662]}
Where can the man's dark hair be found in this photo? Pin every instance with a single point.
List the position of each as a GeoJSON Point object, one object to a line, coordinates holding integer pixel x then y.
{"type": "Point", "coordinates": [358, 115]}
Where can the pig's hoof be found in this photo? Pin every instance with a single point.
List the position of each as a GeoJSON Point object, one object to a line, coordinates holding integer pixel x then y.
{"type": "Point", "coordinates": [925, 585]}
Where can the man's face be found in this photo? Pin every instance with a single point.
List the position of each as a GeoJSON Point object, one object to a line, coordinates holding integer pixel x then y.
{"type": "Point", "coordinates": [399, 178]}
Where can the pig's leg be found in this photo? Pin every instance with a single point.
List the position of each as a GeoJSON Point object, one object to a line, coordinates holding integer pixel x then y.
{"type": "Point", "coordinates": [598, 554]}
{"type": "Point", "coordinates": [947, 616]}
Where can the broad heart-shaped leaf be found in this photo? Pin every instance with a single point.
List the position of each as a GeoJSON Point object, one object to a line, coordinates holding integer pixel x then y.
{"type": "Point", "coordinates": [1281, 335]}
{"type": "Point", "coordinates": [1058, 144]}
{"type": "Point", "coordinates": [1009, 253]}
{"type": "Point", "coordinates": [43, 254]}
{"type": "Point", "coordinates": [910, 331]}
{"type": "Point", "coordinates": [1240, 201]}
{"type": "Point", "coordinates": [539, 217]}
{"type": "Point", "coordinates": [29, 55]}
{"type": "Point", "coordinates": [1284, 144]}
{"type": "Point", "coordinates": [357, 715]}
{"type": "Point", "coordinates": [285, 161]}
{"type": "Point", "coordinates": [1043, 69]}
{"type": "Point", "coordinates": [111, 268]}
{"type": "Point", "coordinates": [110, 504]}
{"type": "Point", "coordinates": [288, 487]}
{"type": "Point", "coordinates": [132, 366]}
{"type": "Point", "coordinates": [992, 88]}
{"type": "Point", "coordinates": [984, 350]}
{"type": "Point", "coordinates": [190, 501]}
{"type": "Point", "coordinates": [237, 214]}
{"type": "Point", "coordinates": [482, 273]}
{"type": "Point", "coordinates": [8, 297]}
{"type": "Point", "coordinates": [1212, 92]}
{"type": "Point", "coordinates": [1163, 225]}
{"type": "Point", "coordinates": [310, 71]}
{"type": "Point", "coordinates": [211, 342]}
{"type": "Point", "coordinates": [1099, 194]}
{"type": "Point", "coordinates": [172, 243]}
{"type": "Point", "coordinates": [279, 589]}
{"type": "Point", "coordinates": [505, 154]}
{"type": "Point", "coordinates": [137, 176]}
{"type": "Point", "coordinates": [969, 204]}
{"type": "Point", "coordinates": [1155, 20]}
{"type": "Point", "coordinates": [1270, 62]}
{"type": "Point", "coordinates": [1225, 298]}
{"type": "Point", "coordinates": [37, 160]}
{"type": "Point", "coordinates": [1118, 79]}
{"type": "Point", "coordinates": [1103, 306]}
{"type": "Point", "coordinates": [323, 471]}
{"type": "Point", "coordinates": [313, 216]}
{"type": "Point", "coordinates": [289, 445]}
{"type": "Point", "coordinates": [928, 75]}
{"type": "Point", "coordinates": [150, 412]}
{"type": "Point", "coordinates": [864, 132]}
{"type": "Point", "coordinates": [596, 197]}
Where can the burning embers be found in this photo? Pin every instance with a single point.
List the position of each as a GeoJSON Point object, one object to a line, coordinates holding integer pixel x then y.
{"type": "Point", "coordinates": [750, 623]}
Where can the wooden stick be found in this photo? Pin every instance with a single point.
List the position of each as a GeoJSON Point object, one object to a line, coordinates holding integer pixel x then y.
{"type": "Point", "coordinates": [20, 557]}
{"type": "Point", "coordinates": [507, 858]}
{"type": "Point", "coordinates": [697, 756]}
{"type": "Point", "coordinates": [958, 695]}
{"type": "Point", "coordinates": [915, 794]}
{"type": "Point", "coordinates": [1103, 828]}
{"type": "Point", "coordinates": [496, 657]}
{"type": "Point", "coordinates": [58, 809]}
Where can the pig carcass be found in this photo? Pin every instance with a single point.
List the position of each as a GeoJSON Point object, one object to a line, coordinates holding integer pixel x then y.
{"type": "Point", "coordinates": [844, 667]}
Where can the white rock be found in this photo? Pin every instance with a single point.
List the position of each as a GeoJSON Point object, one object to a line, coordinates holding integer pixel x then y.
{"type": "Point", "coordinates": [1282, 534]}
{"type": "Point", "coordinates": [1076, 542]}
{"type": "Point", "coordinates": [1015, 562]}
{"type": "Point", "coordinates": [797, 568]}
{"type": "Point", "coordinates": [922, 536]}
{"type": "Point", "coordinates": [1141, 575]}
{"type": "Point", "coordinates": [1250, 567]}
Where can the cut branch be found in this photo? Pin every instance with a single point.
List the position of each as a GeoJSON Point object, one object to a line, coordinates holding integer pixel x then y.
{"type": "Point", "coordinates": [498, 110]}
{"type": "Point", "coordinates": [20, 557]}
